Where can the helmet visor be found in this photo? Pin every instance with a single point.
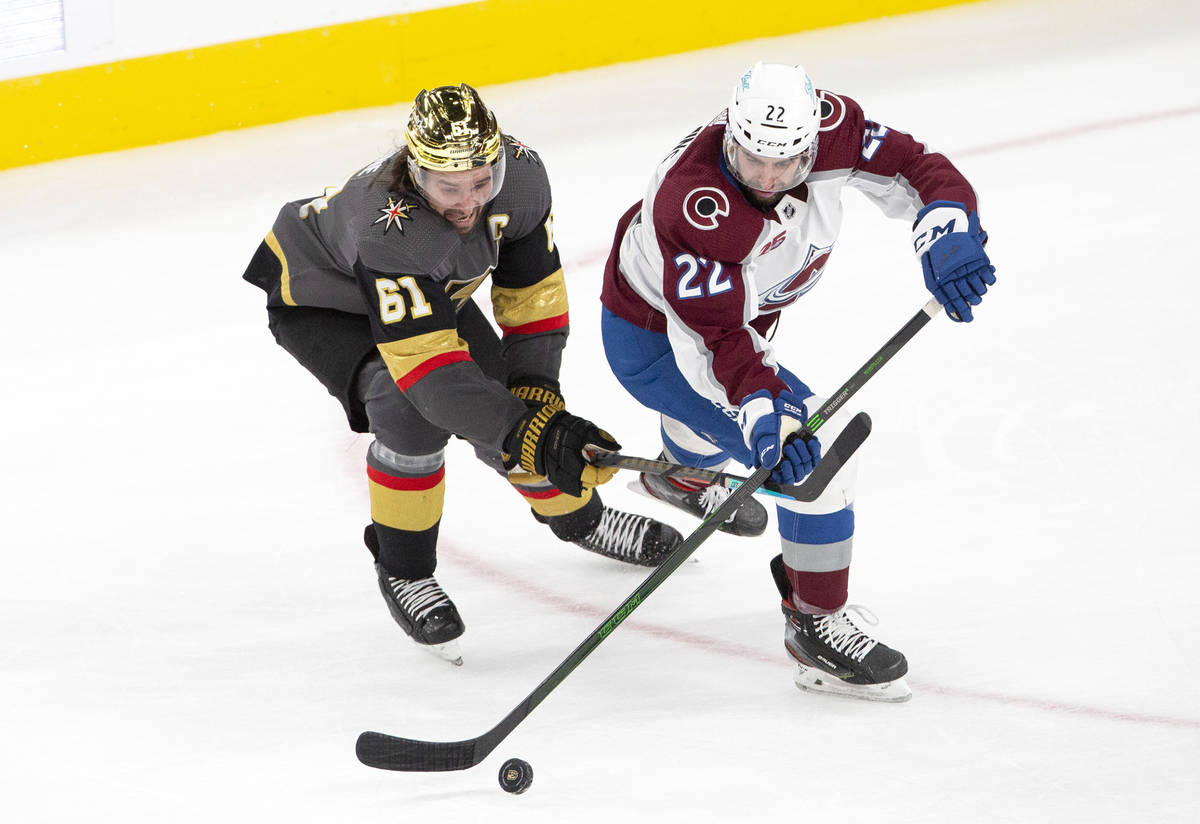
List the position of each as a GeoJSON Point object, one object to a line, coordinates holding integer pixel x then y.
{"type": "Point", "coordinates": [768, 174]}
{"type": "Point", "coordinates": [458, 191]}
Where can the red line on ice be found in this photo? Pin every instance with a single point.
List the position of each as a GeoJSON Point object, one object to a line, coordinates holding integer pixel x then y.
{"type": "Point", "coordinates": [527, 589]}
{"type": "Point", "coordinates": [1075, 131]}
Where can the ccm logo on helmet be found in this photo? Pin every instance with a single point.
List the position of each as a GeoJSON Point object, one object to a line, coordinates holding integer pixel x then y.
{"type": "Point", "coordinates": [703, 206]}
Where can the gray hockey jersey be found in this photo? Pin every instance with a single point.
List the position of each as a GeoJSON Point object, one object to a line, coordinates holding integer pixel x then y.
{"type": "Point", "coordinates": [369, 248]}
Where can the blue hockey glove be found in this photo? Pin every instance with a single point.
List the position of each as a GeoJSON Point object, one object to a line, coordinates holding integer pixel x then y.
{"type": "Point", "coordinates": [766, 422]}
{"type": "Point", "coordinates": [799, 458]}
{"type": "Point", "coordinates": [949, 243]}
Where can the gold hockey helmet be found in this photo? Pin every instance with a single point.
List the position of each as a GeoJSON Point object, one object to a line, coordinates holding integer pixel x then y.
{"type": "Point", "coordinates": [451, 130]}
{"type": "Point", "coordinates": [455, 153]}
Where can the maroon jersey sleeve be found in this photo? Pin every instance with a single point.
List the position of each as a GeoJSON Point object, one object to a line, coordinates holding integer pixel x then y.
{"type": "Point", "coordinates": [880, 156]}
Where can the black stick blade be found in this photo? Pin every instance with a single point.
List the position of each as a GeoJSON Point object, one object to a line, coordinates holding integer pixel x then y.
{"type": "Point", "coordinates": [834, 457]}
{"type": "Point", "coordinates": [388, 752]}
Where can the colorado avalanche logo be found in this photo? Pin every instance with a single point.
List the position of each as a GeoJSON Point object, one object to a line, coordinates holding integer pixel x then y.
{"type": "Point", "coordinates": [799, 282]}
{"type": "Point", "coordinates": [703, 206]}
{"type": "Point", "coordinates": [833, 111]}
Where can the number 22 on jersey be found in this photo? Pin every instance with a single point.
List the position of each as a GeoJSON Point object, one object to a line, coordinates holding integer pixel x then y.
{"type": "Point", "coordinates": [692, 282]}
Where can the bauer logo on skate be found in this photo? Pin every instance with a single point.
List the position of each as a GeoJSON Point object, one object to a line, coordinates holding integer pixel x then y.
{"type": "Point", "coordinates": [703, 206]}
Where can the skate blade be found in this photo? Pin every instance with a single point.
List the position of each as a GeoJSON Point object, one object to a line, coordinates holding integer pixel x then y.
{"type": "Point", "coordinates": [449, 651]}
{"type": "Point", "coordinates": [809, 679]}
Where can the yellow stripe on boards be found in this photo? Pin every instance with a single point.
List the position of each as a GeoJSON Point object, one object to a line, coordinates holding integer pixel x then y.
{"type": "Point", "coordinates": [376, 62]}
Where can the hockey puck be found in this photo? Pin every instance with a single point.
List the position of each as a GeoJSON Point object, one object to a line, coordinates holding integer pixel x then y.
{"type": "Point", "coordinates": [515, 776]}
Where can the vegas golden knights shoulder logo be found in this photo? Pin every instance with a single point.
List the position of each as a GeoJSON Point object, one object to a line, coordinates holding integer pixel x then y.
{"type": "Point", "coordinates": [395, 212]}
{"type": "Point", "coordinates": [520, 150]}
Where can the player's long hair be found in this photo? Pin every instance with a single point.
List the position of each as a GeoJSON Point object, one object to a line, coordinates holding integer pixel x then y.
{"type": "Point", "coordinates": [396, 172]}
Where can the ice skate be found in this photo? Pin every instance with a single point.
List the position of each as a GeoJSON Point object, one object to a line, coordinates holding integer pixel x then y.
{"type": "Point", "coordinates": [634, 539]}
{"type": "Point", "coordinates": [425, 613]}
{"type": "Point", "coordinates": [623, 536]}
{"type": "Point", "coordinates": [835, 657]}
{"type": "Point", "coordinates": [749, 520]}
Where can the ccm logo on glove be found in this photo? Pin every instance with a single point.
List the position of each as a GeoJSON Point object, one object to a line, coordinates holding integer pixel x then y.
{"type": "Point", "coordinates": [949, 243]}
{"type": "Point", "coordinates": [766, 422]}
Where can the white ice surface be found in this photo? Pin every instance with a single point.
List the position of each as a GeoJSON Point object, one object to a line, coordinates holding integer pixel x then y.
{"type": "Point", "coordinates": [189, 626]}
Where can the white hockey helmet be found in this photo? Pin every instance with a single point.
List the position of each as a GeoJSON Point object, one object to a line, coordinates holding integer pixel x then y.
{"type": "Point", "coordinates": [774, 115]}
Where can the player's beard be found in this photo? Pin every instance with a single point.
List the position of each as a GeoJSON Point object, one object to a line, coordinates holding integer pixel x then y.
{"type": "Point", "coordinates": [766, 201]}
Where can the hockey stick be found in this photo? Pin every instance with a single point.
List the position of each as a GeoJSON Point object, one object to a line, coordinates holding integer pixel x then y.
{"type": "Point", "coordinates": [707, 476]}
{"type": "Point", "coordinates": [389, 752]}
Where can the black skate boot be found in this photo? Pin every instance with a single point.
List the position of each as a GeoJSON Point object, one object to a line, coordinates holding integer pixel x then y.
{"type": "Point", "coordinates": [422, 609]}
{"type": "Point", "coordinates": [835, 657]}
{"type": "Point", "coordinates": [634, 539]}
{"type": "Point", "coordinates": [749, 520]}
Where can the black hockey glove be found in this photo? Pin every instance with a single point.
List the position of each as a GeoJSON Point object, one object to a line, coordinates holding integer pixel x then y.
{"type": "Point", "coordinates": [550, 442]}
{"type": "Point", "coordinates": [537, 392]}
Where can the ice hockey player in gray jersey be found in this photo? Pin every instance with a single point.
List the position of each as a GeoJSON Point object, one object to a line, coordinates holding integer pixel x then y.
{"type": "Point", "coordinates": [737, 224]}
{"type": "Point", "coordinates": [369, 287]}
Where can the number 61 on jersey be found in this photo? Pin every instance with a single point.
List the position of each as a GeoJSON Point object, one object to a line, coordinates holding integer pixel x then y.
{"type": "Point", "coordinates": [391, 300]}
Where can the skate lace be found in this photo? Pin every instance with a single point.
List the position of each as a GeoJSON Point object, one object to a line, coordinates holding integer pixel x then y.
{"type": "Point", "coordinates": [418, 597]}
{"type": "Point", "coordinates": [839, 632]}
{"type": "Point", "coordinates": [619, 533]}
{"type": "Point", "coordinates": [712, 496]}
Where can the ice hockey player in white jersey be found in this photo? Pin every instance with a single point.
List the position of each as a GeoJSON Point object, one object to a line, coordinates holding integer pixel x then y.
{"type": "Point", "coordinates": [738, 223]}
{"type": "Point", "coordinates": [369, 288]}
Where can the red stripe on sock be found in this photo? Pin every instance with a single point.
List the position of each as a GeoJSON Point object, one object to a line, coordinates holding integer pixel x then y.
{"type": "Point", "coordinates": [539, 495]}
{"type": "Point", "coordinates": [406, 484]}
